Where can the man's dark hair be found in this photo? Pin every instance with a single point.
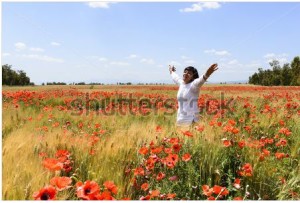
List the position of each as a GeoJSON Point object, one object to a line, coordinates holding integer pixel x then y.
{"type": "Point", "coordinates": [193, 70]}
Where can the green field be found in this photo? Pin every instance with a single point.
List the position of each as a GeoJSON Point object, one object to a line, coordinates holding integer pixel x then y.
{"type": "Point", "coordinates": [246, 146]}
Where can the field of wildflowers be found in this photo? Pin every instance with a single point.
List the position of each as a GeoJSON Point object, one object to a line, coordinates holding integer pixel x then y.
{"type": "Point", "coordinates": [121, 142]}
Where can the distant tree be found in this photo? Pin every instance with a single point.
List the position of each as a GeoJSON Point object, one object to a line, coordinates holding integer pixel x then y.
{"type": "Point", "coordinates": [80, 83]}
{"type": "Point", "coordinates": [11, 77]}
{"type": "Point", "coordinates": [23, 79]}
{"type": "Point", "coordinates": [295, 70]}
{"type": "Point", "coordinates": [286, 75]}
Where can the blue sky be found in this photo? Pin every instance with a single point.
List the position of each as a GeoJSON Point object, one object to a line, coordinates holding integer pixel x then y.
{"type": "Point", "coordinates": [135, 42]}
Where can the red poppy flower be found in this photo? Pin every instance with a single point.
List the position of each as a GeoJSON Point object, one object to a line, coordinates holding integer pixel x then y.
{"type": "Point", "coordinates": [157, 150]}
{"type": "Point", "coordinates": [281, 122]}
{"type": "Point", "coordinates": [56, 124]}
{"type": "Point", "coordinates": [154, 193]}
{"type": "Point", "coordinates": [199, 128]}
{"type": "Point", "coordinates": [235, 131]}
{"type": "Point", "coordinates": [52, 164]}
{"type": "Point", "coordinates": [94, 139]}
{"type": "Point", "coordinates": [218, 190]}
{"type": "Point", "coordinates": [87, 191]}
{"type": "Point", "coordinates": [211, 198]}
{"type": "Point", "coordinates": [158, 129]}
{"type": "Point", "coordinates": [227, 143]}
{"type": "Point", "coordinates": [186, 157]}
{"type": "Point", "coordinates": [238, 198]}
{"type": "Point", "coordinates": [80, 125]}
{"type": "Point", "coordinates": [168, 150]}
{"type": "Point", "coordinates": [280, 155]}
{"type": "Point", "coordinates": [111, 186]}
{"type": "Point", "coordinates": [269, 140]}
{"type": "Point", "coordinates": [266, 152]}
{"type": "Point", "coordinates": [246, 170]}
{"type": "Point", "coordinates": [97, 125]}
{"type": "Point", "coordinates": [173, 157]}
{"type": "Point", "coordinates": [143, 150]}
{"type": "Point", "coordinates": [207, 191]}
{"type": "Point", "coordinates": [281, 142]}
{"type": "Point", "coordinates": [237, 183]}
{"type": "Point", "coordinates": [241, 144]}
{"type": "Point", "coordinates": [61, 182]}
{"type": "Point", "coordinates": [62, 153]}
{"type": "Point", "coordinates": [176, 147]}
{"type": "Point", "coordinates": [171, 196]}
{"type": "Point", "coordinates": [248, 128]}
{"type": "Point", "coordinates": [46, 193]}
{"type": "Point", "coordinates": [187, 133]}
{"type": "Point", "coordinates": [43, 154]}
{"type": "Point", "coordinates": [145, 186]}
{"type": "Point", "coordinates": [106, 195]}
{"type": "Point", "coordinates": [285, 131]}
{"type": "Point", "coordinates": [145, 198]}
{"type": "Point", "coordinates": [174, 140]}
{"type": "Point", "coordinates": [160, 176]}
{"type": "Point", "coordinates": [139, 171]}
{"type": "Point", "coordinates": [231, 122]}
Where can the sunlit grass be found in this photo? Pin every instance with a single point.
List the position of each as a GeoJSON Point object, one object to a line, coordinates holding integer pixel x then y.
{"type": "Point", "coordinates": [30, 130]}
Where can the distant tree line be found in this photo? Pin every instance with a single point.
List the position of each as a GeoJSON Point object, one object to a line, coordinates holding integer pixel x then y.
{"type": "Point", "coordinates": [55, 83]}
{"type": "Point", "coordinates": [287, 75]}
{"type": "Point", "coordinates": [12, 77]}
{"type": "Point", "coordinates": [156, 83]}
{"type": "Point", "coordinates": [124, 83]}
{"type": "Point", "coordinates": [79, 83]}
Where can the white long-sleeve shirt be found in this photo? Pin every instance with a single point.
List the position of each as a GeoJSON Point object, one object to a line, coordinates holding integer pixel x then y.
{"type": "Point", "coordinates": [187, 97]}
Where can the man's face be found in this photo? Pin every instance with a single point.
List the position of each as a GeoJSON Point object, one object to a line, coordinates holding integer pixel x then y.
{"type": "Point", "coordinates": [187, 76]}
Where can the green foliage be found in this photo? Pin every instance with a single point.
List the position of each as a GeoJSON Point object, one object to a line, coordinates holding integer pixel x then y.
{"type": "Point", "coordinates": [279, 76]}
{"type": "Point", "coordinates": [56, 83]}
{"type": "Point", "coordinates": [11, 77]}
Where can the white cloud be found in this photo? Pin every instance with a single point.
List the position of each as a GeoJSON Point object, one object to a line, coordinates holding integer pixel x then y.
{"type": "Point", "coordinates": [43, 58]}
{"type": "Point", "coordinates": [190, 61]}
{"type": "Point", "coordinates": [233, 62]}
{"type": "Point", "coordinates": [255, 65]}
{"type": "Point", "coordinates": [147, 61]}
{"type": "Point", "coordinates": [219, 53]}
{"type": "Point", "coordinates": [99, 58]}
{"type": "Point", "coordinates": [174, 63]}
{"type": "Point", "coordinates": [36, 49]}
{"type": "Point", "coordinates": [6, 54]}
{"type": "Point", "coordinates": [99, 4]}
{"type": "Point", "coordinates": [55, 44]}
{"type": "Point", "coordinates": [281, 58]}
{"type": "Point", "coordinates": [185, 57]}
{"type": "Point", "coordinates": [270, 55]}
{"type": "Point", "coordinates": [132, 56]}
{"type": "Point", "coordinates": [209, 51]}
{"type": "Point", "coordinates": [198, 7]}
{"type": "Point", "coordinates": [222, 53]}
{"type": "Point", "coordinates": [20, 46]}
{"type": "Point", "coordinates": [119, 63]}
{"type": "Point", "coordinates": [102, 59]}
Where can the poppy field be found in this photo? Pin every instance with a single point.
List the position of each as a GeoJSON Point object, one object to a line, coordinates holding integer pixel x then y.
{"type": "Point", "coordinates": [121, 143]}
